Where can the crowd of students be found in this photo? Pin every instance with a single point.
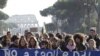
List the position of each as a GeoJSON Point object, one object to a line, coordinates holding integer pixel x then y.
{"type": "Point", "coordinates": [60, 41]}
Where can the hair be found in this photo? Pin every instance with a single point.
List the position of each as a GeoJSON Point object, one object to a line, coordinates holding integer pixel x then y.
{"type": "Point", "coordinates": [59, 35]}
{"type": "Point", "coordinates": [70, 39]}
{"type": "Point", "coordinates": [93, 29]}
{"type": "Point", "coordinates": [67, 37]}
{"type": "Point", "coordinates": [50, 34]}
{"type": "Point", "coordinates": [94, 42]}
{"type": "Point", "coordinates": [8, 32]}
{"type": "Point", "coordinates": [54, 43]}
{"type": "Point", "coordinates": [4, 40]}
{"type": "Point", "coordinates": [26, 44]}
{"type": "Point", "coordinates": [79, 36]}
{"type": "Point", "coordinates": [14, 37]}
{"type": "Point", "coordinates": [46, 43]}
{"type": "Point", "coordinates": [45, 35]}
{"type": "Point", "coordinates": [29, 33]}
{"type": "Point", "coordinates": [35, 45]}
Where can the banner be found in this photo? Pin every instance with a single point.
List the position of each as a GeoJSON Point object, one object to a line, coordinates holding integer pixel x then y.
{"type": "Point", "coordinates": [43, 52]}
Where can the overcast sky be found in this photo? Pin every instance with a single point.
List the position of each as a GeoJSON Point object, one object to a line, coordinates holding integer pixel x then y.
{"type": "Point", "coordinates": [20, 7]}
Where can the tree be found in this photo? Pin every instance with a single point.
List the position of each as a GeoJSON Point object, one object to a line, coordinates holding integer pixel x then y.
{"type": "Point", "coordinates": [5, 26]}
{"type": "Point", "coordinates": [3, 16]}
{"type": "Point", "coordinates": [74, 11]}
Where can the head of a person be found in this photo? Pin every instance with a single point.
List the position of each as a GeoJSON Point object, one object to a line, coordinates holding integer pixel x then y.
{"type": "Point", "coordinates": [92, 43]}
{"type": "Point", "coordinates": [51, 35]}
{"type": "Point", "coordinates": [45, 36]}
{"type": "Point", "coordinates": [67, 37]}
{"type": "Point", "coordinates": [8, 34]}
{"type": "Point", "coordinates": [70, 41]}
{"type": "Point", "coordinates": [6, 41]}
{"type": "Point", "coordinates": [25, 33]}
{"type": "Point", "coordinates": [78, 37]}
{"type": "Point", "coordinates": [64, 34]}
{"type": "Point", "coordinates": [29, 34]}
{"type": "Point", "coordinates": [32, 42]}
{"type": "Point", "coordinates": [54, 43]}
{"type": "Point", "coordinates": [59, 35]}
{"type": "Point", "coordinates": [23, 42]}
{"type": "Point", "coordinates": [44, 45]}
{"type": "Point", "coordinates": [93, 31]}
{"type": "Point", "coordinates": [15, 39]}
{"type": "Point", "coordinates": [37, 35]}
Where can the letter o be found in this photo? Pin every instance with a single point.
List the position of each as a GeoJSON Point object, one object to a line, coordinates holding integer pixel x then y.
{"type": "Point", "coordinates": [49, 54]}
{"type": "Point", "coordinates": [13, 53]}
{"type": "Point", "coordinates": [65, 54]}
{"type": "Point", "coordinates": [42, 53]}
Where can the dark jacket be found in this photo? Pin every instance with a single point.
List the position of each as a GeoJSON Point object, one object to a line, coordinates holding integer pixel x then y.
{"type": "Point", "coordinates": [80, 47]}
{"type": "Point", "coordinates": [94, 49]}
{"type": "Point", "coordinates": [66, 49]}
{"type": "Point", "coordinates": [13, 46]}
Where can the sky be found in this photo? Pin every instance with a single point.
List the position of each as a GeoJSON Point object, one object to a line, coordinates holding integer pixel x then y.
{"type": "Point", "coordinates": [21, 7]}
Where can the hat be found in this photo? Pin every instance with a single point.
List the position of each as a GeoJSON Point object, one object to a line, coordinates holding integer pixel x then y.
{"type": "Point", "coordinates": [93, 29]}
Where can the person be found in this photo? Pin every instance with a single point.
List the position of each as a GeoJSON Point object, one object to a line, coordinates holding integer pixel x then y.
{"type": "Point", "coordinates": [70, 45]}
{"type": "Point", "coordinates": [58, 35]}
{"type": "Point", "coordinates": [62, 43]}
{"type": "Point", "coordinates": [79, 38]}
{"type": "Point", "coordinates": [44, 37]}
{"type": "Point", "coordinates": [8, 34]}
{"type": "Point", "coordinates": [29, 34]}
{"type": "Point", "coordinates": [15, 41]}
{"type": "Point", "coordinates": [33, 43]}
{"type": "Point", "coordinates": [6, 42]}
{"type": "Point", "coordinates": [23, 43]}
{"type": "Point", "coordinates": [44, 44]}
{"type": "Point", "coordinates": [92, 45]}
{"type": "Point", "coordinates": [25, 33]}
{"type": "Point", "coordinates": [93, 35]}
{"type": "Point", "coordinates": [54, 43]}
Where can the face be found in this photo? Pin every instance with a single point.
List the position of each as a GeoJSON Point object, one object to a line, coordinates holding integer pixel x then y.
{"type": "Point", "coordinates": [43, 45]}
{"type": "Point", "coordinates": [28, 37]}
{"type": "Point", "coordinates": [92, 32]}
{"type": "Point", "coordinates": [32, 41]}
{"type": "Point", "coordinates": [91, 43]}
{"type": "Point", "coordinates": [16, 41]}
{"type": "Point", "coordinates": [22, 42]}
{"type": "Point", "coordinates": [9, 34]}
{"type": "Point", "coordinates": [77, 40]}
{"type": "Point", "coordinates": [45, 37]}
{"type": "Point", "coordinates": [70, 42]}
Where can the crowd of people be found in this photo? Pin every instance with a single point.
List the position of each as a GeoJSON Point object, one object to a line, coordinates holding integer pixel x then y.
{"type": "Point", "coordinates": [58, 41]}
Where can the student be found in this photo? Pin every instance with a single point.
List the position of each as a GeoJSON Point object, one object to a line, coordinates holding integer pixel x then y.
{"type": "Point", "coordinates": [78, 37]}
{"type": "Point", "coordinates": [92, 45]}
{"type": "Point", "coordinates": [62, 43]}
{"type": "Point", "coordinates": [15, 41]}
{"type": "Point", "coordinates": [93, 35]}
{"type": "Point", "coordinates": [23, 42]}
{"type": "Point", "coordinates": [6, 42]}
{"type": "Point", "coordinates": [54, 44]}
{"type": "Point", "coordinates": [44, 45]}
{"type": "Point", "coordinates": [70, 45]}
{"type": "Point", "coordinates": [29, 34]}
{"type": "Point", "coordinates": [33, 43]}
